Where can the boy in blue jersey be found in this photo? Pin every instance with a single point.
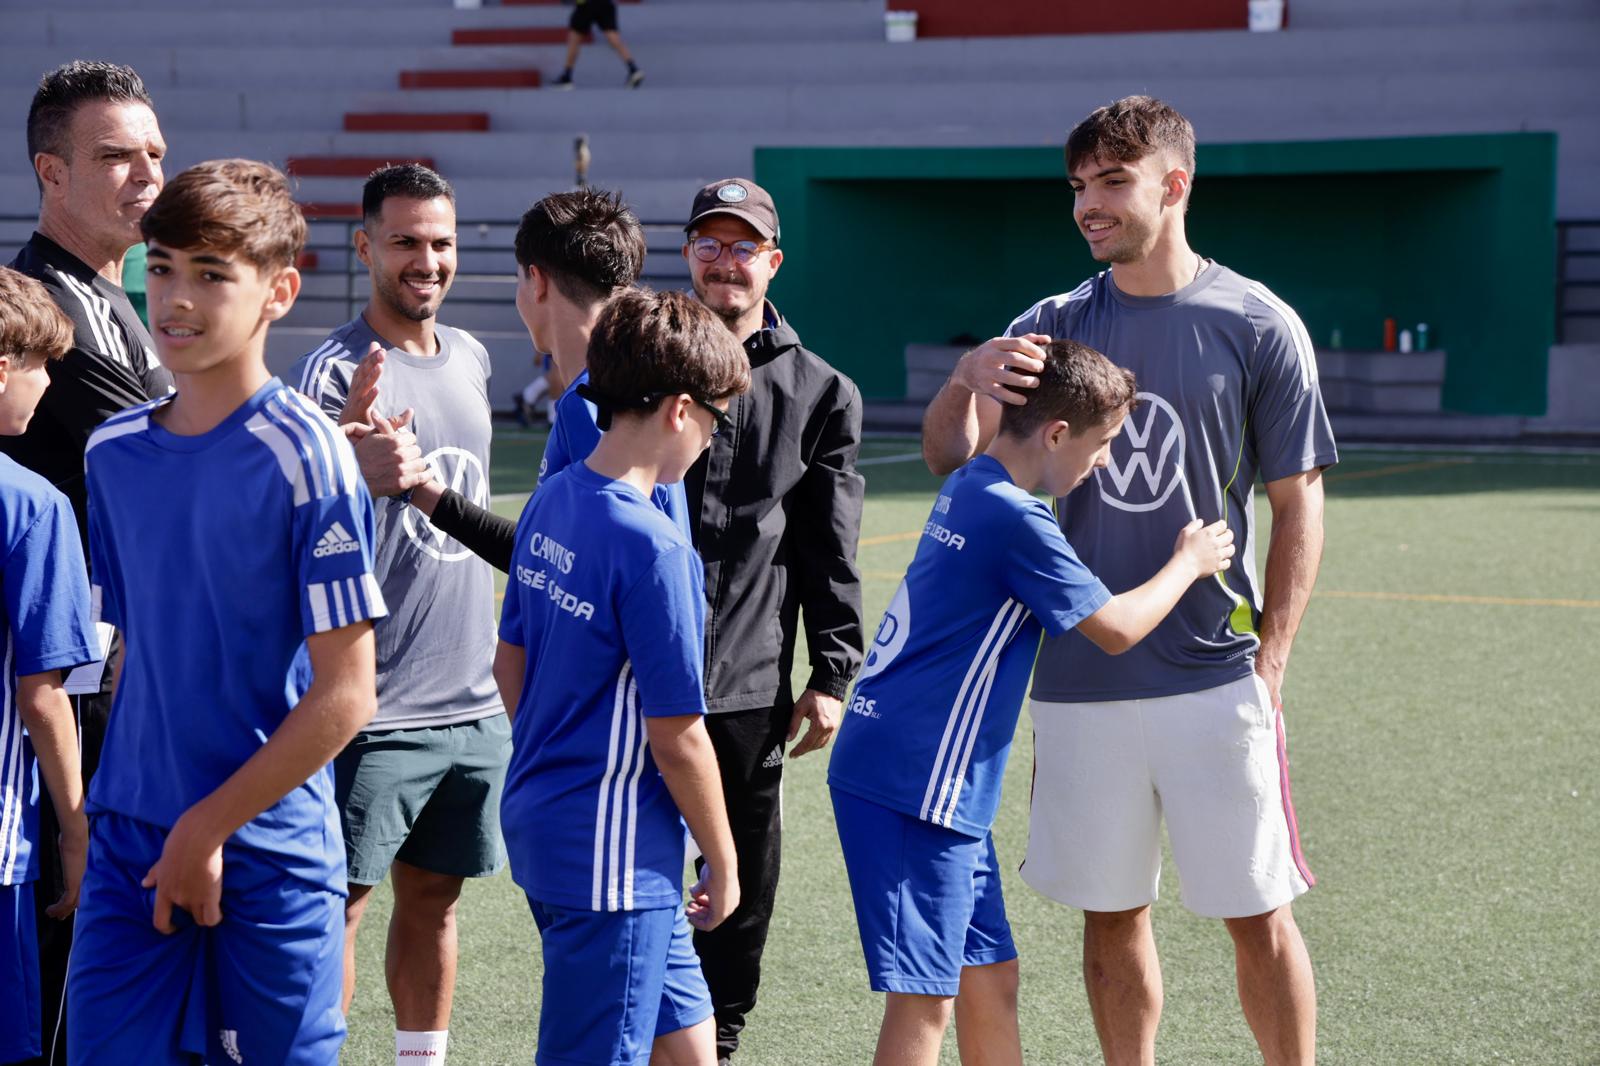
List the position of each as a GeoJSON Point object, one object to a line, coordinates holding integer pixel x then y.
{"type": "Point", "coordinates": [230, 540]}
{"type": "Point", "coordinates": [917, 767]}
{"type": "Point", "coordinates": [575, 250]}
{"type": "Point", "coordinates": [44, 630]}
{"type": "Point", "coordinates": [600, 665]}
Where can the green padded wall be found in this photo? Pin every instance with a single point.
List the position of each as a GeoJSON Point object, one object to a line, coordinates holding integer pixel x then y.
{"type": "Point", "coordinates": [886, 247]}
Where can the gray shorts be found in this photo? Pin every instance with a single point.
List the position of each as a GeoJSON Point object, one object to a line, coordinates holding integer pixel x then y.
{"type": "Point", "coordinates": [428, 797]}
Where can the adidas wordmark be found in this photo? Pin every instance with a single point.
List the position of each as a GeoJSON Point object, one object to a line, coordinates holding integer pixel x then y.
{"type": "Point", "coordinates": [336, 541]}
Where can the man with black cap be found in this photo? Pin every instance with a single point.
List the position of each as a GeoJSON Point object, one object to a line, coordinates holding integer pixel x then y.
{"type": "Point", "coordinates": [775, 505]}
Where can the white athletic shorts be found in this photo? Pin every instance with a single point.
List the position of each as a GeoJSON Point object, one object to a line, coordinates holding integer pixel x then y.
{"type": "Point", "coordinates": [1214, 762]}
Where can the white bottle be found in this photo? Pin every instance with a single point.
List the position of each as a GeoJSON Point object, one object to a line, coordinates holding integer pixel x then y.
{"type": "Point", "coordinates": [1405, 340]}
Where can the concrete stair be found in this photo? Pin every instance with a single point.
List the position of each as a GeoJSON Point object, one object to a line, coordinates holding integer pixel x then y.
{"type": "Point", "coordinates": [340, 86]}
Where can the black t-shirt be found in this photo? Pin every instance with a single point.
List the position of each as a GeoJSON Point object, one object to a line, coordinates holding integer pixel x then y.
{"type": "Point", "coordinates": [112, 366]}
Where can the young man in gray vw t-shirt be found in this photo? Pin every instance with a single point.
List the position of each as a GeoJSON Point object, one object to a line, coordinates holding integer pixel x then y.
{"type": "Point", "coordinates": [419, 788]}
{"type": "Point", "coordinates": [1188, 725]}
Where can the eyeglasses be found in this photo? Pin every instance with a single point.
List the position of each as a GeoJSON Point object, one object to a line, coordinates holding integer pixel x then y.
{"type": "Point", "coordinates": [709, 250]}
{"type": "Point", "coordinates": [723, 421]}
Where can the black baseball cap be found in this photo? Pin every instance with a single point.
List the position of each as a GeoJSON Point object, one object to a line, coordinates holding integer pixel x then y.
{"type": "Point", "coordinates": [741, 198]}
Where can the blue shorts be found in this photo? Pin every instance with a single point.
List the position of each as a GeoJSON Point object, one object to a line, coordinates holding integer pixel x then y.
{"type": "Point", "coordinates": [19, 970]}
{"type": "Point", "coordinates": [927, 898]}
{"type": "Point", "coordinates": [264, 986]}
{"type": "Point", "coordinates": [613, 982]}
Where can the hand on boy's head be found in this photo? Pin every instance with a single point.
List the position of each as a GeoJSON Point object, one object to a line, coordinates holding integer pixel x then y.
{"type": "Point", "coordinates": [363, 387]}
{"type": "Point", "coordinates": [1002, 365]}
{"type": "Point", "coordinates": [1208, 548]}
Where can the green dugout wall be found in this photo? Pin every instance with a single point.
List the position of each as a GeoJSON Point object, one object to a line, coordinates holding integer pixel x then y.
{"type": "Point", "coordinates": [892, 246]}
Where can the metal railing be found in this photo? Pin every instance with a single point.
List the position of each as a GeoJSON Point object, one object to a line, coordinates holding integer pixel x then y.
{"type": "Point", "coordinates": [483, 257]}
{"type": "Point", "coordinates": [1577, 243]}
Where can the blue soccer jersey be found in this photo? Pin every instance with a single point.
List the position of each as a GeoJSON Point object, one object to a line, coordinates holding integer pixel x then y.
{"type": "Point", "coordinates": [573, 435]}
{"type": "Point", "coordinates": [607, 599]}
{"type": "Point", "coordinates": [217, 555]}
{"type": "Point", "coordinates": [931, 719]}
{"type": "Point", "coordinates": [44, 625]}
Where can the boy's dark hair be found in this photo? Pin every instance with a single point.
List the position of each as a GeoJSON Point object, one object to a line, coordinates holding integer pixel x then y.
{"type": "Point", "coordinates": [1078, 386]}
{"type": "Point", "coordinates": [31, 325]}
{"type": "Point", "coordinates": [234, 206]}
{"type": "Point", "coordinates": [62, 91]}
{"type": "Point", "coordinates": [1129, 129]}
{"type": "Point", "coordinates": [650, 345]}
{"type": "Point", "coordinates": [587, 240]}
{"type": "Point", "coordinates": [409, 181]}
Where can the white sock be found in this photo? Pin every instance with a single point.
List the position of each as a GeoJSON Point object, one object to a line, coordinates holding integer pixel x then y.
{"type": "Point", "coordinates": [420, 1049]}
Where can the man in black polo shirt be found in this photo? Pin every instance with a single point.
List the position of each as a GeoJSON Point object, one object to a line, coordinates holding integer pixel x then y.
{"type": "Point", "coordinates": [96, 151]}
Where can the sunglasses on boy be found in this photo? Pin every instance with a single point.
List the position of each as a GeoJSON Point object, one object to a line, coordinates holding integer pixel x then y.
{"type": "Point", "coordinates": [607, 404]}
{"type": "Point", "coordinates": [722, 420]}
{"type": "Point", "coordinates": [709, 250]}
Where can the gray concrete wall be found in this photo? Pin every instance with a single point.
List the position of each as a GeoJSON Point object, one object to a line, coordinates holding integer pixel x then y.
{"type": "Point", "coordinates": [274, 78]}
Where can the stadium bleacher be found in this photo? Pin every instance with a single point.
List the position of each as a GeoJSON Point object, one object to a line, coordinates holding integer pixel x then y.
{"type": "Point", "coordinates": [338, 84]}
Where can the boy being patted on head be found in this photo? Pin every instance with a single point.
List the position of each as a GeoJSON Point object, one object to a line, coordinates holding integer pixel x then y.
{"type": "Point", "coordinates": [211, 916]}
{"type": "Point", "coordinates": [44, 631]}
{"type": "Point", "coordinates": [600, 664]}
{"type": "Point", "coordinates": [917, 768]}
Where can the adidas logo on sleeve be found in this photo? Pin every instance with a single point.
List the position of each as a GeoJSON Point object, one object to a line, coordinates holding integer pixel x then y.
{"type": "Point", "coordinates": [336, 541]}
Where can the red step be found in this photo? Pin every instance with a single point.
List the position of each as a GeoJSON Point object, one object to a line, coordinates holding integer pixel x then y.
{"type": "Point", "coordinates": [469, 79]}
{"type": "Point", "coordinates": [416, 122]}
{"type": "Point", "coordinates": [306, 262]}
{"type": "Point", "coordinates": [321, 209]}
{"type": "Point", "coordinates": [514, 35]}
{"type": "Point", "coordinates": [346, 166]}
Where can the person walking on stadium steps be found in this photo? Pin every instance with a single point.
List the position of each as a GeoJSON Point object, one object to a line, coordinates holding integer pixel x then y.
{"type": "Point", "coordinates": [586, 15]}
{"type": "Point", "coordinates": [775, 505]}
{"type": "Point", "coordinates": [575, 251]}
{"type": "Point", "coordinates": [96, 150]}
{"type": "Point", "coordinates": [419, 787]}
{"type": "Point", "coordinates": [1189, 723]}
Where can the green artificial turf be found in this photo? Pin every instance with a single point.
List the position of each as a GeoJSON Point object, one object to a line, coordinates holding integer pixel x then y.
{"type": "Point", "coordinates": [1444, 724]}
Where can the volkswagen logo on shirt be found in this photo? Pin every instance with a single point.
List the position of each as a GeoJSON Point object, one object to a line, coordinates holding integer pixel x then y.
{"type": "Point", "coordinates": [1146, 462]}
{"type": "Point", "coordinates": [459, 470]}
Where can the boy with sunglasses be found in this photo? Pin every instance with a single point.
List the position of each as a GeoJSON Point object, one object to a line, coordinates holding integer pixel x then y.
{"type": "Point", "coordinates": [600, 667]}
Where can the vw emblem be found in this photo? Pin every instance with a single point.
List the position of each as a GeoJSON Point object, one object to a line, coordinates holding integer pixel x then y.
{"type": "Point", "coordinates": [1146, 462]}
{"type": "Point", "coordinates": [460, 471]}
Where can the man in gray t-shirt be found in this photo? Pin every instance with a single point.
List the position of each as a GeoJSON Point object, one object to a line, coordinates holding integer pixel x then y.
{"type": "Point", "coordinates": [1227, 391]}
{"type": "Point", "coordinates": [419, 788]}
{"type": "Point", "coordinates": [1187, 726]}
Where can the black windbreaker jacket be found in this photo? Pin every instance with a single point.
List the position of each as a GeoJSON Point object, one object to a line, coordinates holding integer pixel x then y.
{"type": "Point", "coordinates": [776, 504]}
